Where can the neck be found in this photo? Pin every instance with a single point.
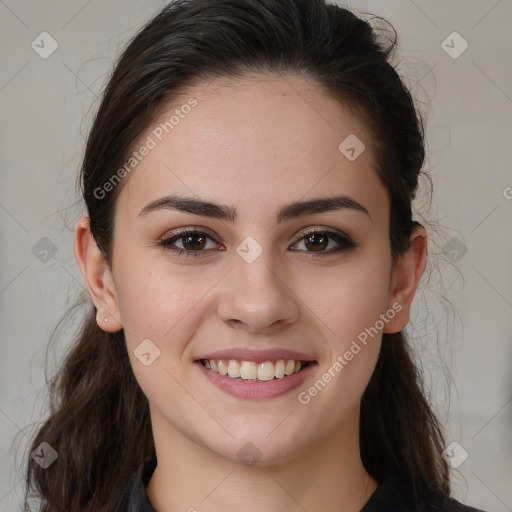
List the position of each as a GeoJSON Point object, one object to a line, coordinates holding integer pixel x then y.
{"type": "Point", "coordinates": [329, 477]}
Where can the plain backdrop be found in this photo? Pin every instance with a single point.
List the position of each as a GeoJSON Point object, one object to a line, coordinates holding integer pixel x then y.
{"type": "Point", "coordinates": [455, 56]}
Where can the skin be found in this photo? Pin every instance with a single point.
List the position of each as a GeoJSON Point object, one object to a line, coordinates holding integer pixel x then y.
{"type": "Point", "coordinates": [254, 144]}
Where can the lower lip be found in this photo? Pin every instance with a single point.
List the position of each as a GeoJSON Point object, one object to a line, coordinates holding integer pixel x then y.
{"type": "Point", "coordinates": [257, 389]}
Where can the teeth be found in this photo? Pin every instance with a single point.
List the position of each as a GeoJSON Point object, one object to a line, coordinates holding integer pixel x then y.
{"type": "Point", "coordinates": [248, 370]}
{"type": "Point", "coordinates": [233, 369]}
{"type": "Point", "coordinates": [223, 369]}
{"type": "Point", "coordinates": [279, 369]}
{"type": "Point", "coordinates": [290, 366]}
{"type": "Point", "coordinates": [266, 371]}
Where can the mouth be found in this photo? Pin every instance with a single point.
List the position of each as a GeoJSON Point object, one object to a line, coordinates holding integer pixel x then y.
{"type": "Point", "coordinates": [250, 380]}
{"type": "Point", "coordinates": [252, 371]}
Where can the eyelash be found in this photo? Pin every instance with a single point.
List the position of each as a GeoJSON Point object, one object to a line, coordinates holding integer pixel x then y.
{"type": "Point", "coordinates": [346, 242]}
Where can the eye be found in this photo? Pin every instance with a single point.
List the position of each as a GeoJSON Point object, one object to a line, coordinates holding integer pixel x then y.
{"type": "Point", "coordinates": [194, 242]}
{"type": "Point", "coordinates": [318, 241]}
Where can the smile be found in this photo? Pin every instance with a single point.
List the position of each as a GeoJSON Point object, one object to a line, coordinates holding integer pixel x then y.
{"type": "Point", "coordinates": [247, 379]}
{"type": "Point", "coordinates": [248, 370]}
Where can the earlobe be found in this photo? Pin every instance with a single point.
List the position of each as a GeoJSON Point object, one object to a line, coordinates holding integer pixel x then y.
{"type": "Point", "coordinates": [405, 279]}
{"type": "Point", "coordinates": [97, 276]}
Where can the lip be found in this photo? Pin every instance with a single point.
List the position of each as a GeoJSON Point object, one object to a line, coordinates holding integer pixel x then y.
{"type": "Point", "coordinates": [257, 389]}
{"type": "Point", "coordinates": [257, 356]}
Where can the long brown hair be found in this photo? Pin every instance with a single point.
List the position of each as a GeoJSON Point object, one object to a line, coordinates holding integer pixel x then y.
{"type": "Point", "coordinates": [99, 419]}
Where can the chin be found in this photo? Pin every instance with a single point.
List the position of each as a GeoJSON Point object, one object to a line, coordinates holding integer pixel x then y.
{"type": "Point", "coordinates": [255, 446]}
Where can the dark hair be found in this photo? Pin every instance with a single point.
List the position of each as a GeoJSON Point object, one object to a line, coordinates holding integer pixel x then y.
{"type": "Point", "coordinates": [99, 420]}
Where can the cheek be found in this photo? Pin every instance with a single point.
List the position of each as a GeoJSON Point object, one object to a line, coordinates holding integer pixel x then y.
{"type": "Point", "coordinates": [153, 297]}
{"type": "Point", "coordinates": [348, 299]}
{"type": "Point", "coordinates": [162, 306]}
{"type": "Point", "coordinates": [350, 322]}
{"type": "Point", "coordinates": [350, 308]}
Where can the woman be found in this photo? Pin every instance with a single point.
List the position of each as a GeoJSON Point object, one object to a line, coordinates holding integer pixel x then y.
{"type": "Point", "coordinates": [251, 257]}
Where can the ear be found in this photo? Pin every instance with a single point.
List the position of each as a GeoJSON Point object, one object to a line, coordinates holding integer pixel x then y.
{"type": "Point", "coordinates": [98, 277]}
{"type": "Point", "coordinates": [405, 278]}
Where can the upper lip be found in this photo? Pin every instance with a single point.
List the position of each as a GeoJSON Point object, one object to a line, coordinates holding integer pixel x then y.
{"type": "Point", "coordinates": [257, 356]}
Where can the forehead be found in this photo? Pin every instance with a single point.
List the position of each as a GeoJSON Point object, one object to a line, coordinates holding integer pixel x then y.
{"type": "Point", "coordinates": [256, 143]}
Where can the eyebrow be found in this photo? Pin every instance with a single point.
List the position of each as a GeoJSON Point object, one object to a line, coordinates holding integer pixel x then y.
{"type": "Point", "coordinates": [223, 212]}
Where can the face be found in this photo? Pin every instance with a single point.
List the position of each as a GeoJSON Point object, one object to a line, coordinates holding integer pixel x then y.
{"type": "Point", "coordinates": [254, 280]}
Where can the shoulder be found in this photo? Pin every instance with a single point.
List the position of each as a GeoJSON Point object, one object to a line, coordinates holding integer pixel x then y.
{"type": "Point", "coordinates": [453, 505]}
{"type": "Point", "coordinates": [394, 494]}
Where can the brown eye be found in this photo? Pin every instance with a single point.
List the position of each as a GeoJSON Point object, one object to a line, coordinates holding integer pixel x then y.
{"type": "Point", "coordinates": [192, 241]}
{"type": "Point", "coordinates": [318, 241]}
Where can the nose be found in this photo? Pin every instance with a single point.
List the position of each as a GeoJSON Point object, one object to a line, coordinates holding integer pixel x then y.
{"type": "Point", "coordinates": [257, 296]}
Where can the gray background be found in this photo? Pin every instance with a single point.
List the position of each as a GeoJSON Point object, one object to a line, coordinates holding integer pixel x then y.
{"type": "Point", "coordinates": [47, 106]}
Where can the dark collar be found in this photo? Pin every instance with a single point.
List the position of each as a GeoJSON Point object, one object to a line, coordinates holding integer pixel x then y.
{"type": "Point", "coordinates": [135, 496]}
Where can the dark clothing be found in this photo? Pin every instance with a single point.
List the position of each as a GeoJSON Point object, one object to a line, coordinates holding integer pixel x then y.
{"type": "Point", "coordinates": [392, 495]}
